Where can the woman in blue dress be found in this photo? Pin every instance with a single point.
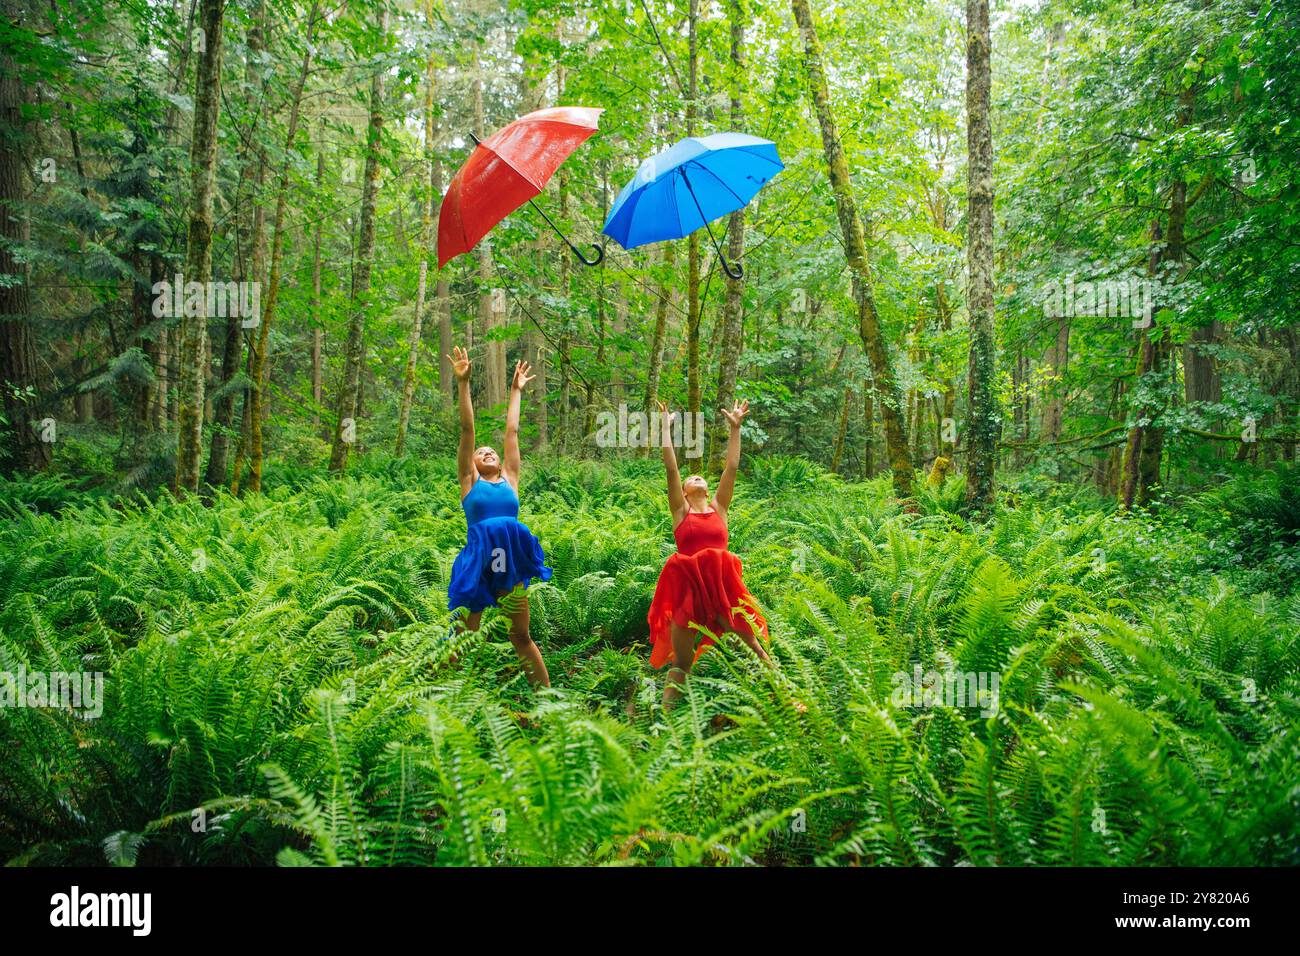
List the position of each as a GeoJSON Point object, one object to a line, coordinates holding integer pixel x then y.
{"type": "Point", "coordinates": [501, 554]}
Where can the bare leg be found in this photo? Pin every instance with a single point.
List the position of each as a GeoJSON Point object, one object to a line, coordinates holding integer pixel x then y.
{"type": "Point", "coordinates": [756, 646]}
{"type": "Point", "coordinates": [528, 652]}
{"type": "Point", "coordinates": [469, 622]}
{"type": "Point", "coordinates": [684, 640]}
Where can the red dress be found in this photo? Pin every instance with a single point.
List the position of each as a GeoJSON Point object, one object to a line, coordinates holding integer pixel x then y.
{"type": "Point", "coordinates": [700, 584]}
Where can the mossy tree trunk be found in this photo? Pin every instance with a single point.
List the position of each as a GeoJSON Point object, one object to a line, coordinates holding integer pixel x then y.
{"type": "Point", "coordinates": [985, 425]}
{"type": "Point", "coordinates": [855, 247]}
{"type": "Point", "coordinates": [198, 251]}
{"type": "Point", "coordinates": [354, 358]}
{"type": "Point", "coordinates": [733, 304]}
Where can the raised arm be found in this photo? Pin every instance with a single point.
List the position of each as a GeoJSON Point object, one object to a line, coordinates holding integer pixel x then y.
{"type": "Point", "coordinates": [465, 450]}
{"type": "Point", "coordinates": [511, 463]}
{"type": "Point", "coordinates": [676, 500]}
{"type": "Point", "coordinates": [727, 483]}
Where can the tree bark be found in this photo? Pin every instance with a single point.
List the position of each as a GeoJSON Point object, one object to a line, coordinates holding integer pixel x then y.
{"type": "Point", "coordinates": [694, 308]}
{"type": "Point", "coordinates": [198, 255]}
{"type": "Point", "coordinates": [261, 368]}
{"type": "Point", "coordinates": [869, 424]}
{"type": "Point", "coordinates": [350, 393]}
{"type": "Point", "coordinates": [658, 335]}
{"type": "Point", "coordinates": [855, 247]}
{"type": "Point", "coordinates": [426, 250]}
{"type": "Point", "coordinates": [843, 431]}
{"type": "Point", "coordinates": [985, 427]}
{"type": "Point", "coordinates": [317, 332]}
{"type": "Point", "coordinates": [733, 304]}
{"type": "Point", "coordinates": [1056, 361]}
{"type": "Point", "coordinates": [24, 449]}
{"type": "Point", "coordinates": [1144, 445]}
{"type": "Point", "coordinates": [490, 321]}
{"type": "Point", "coordinates": [253, 168]}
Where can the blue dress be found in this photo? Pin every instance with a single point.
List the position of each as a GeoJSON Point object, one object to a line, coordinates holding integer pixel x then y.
{"type": "Point", "coordinates": [501, 552]}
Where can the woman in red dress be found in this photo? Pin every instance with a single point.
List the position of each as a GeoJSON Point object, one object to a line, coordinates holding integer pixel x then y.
{"type": "Point", "coordinates": [701, 584]}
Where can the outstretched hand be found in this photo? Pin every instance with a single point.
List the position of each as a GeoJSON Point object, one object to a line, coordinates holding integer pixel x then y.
{"type": "Point", "coordinates": [737, 413]}
{"type": "Point", "coordinates": [459, 359]}
{"type": "Point", "coordinates": [521, 377]}
{"type": "Point", "coordinates": [669, 417]}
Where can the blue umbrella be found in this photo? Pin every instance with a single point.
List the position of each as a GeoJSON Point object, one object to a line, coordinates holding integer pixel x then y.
{"type": "Point", "coordinates": [699, 179]}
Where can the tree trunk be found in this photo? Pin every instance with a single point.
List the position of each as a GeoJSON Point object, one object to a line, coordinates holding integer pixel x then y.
{"type": "Point", "coordinates": [536, 345]}
{"type": "Point", "coordinates": [855, 246]}
{"type": "Point", "coordinates": [350, 393]}
{"type": "Point", "coordinates": [442, 305]}
{"type": "Point", "coordinates": [1200, 371]}
{"type": "Point", "coordinates": [426, 250]}
{"type": "Point", "coordinates": [25, 449]}
{"type": "Point", "coordinates": [1056, 361]}
{"type": "Point", "coordinates": [198, 255]}
{"type": "Point", "coordinates": [317, 332]}
{"type": "Point", "coordinates": [657, 337]}
{"type": "Point", "coordinates": [261, 367]}
{"type": "Point", "coordinates": [869, 424]}
{"type": "Point", "coordinates": [984, 428]}
{"type": "Point", "coordinates": [838, 454]}
{"type": "Point", "coordinates": [694, 308]}
{"type": "Point", "coordinates": [566, 323]}
{"type": "Point", "coordinates": [946, 446]}
{"type": "Point", "coordinates": [1144, 446]}
{"type": "Point", "coordinates": [253, 168]}
{"type": "Point", "coordinates": [490, 320]}
{"type": "Point", "coordinates": [733, 304]}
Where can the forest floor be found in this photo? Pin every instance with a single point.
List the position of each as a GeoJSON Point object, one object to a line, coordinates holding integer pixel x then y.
{"type": "Point", "coordinates": [278, 683]}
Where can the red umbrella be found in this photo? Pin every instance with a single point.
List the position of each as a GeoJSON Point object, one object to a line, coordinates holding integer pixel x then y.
{"type": "Point", "coordinates": [506, 170]}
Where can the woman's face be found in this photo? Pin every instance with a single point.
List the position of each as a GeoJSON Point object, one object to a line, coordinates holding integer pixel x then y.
{"type": "Point", "coordinates": [695, 486]}
{"type": "Point", "coordinates": [486, 461]}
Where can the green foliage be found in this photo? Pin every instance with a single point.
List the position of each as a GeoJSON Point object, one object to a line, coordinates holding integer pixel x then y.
{"type": "Point", "coordinates": [280, 685]}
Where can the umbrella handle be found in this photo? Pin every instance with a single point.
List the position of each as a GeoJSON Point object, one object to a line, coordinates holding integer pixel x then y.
{"type": "Point", "coordinates": [736, 271]}
{"type": "Point", "coordinates": [600, 252]}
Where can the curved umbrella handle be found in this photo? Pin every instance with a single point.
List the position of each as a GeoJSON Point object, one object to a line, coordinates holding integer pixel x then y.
{"type": "Point", "coordinates": [734, 270]}
{"type": "Point", "coordinates": [600, 254]}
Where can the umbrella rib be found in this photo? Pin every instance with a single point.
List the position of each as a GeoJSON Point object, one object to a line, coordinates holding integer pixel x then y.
{"type": "Point", "coordinates": [524, 175]}
{"type": "Point", "coordinates": [718, 178]}
{"type": "Point", "coordinates": [751, 150]}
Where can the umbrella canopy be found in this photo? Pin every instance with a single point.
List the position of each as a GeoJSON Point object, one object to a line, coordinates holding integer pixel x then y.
{"type": "Point", "coordinates": [689, 185]}
{"type": "Point", "coordinates": [506, 170]}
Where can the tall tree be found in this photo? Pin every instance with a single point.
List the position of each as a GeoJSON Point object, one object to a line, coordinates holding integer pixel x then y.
{"type": "Point", "coordinates": [354, 360]}
{"type": "Point", "coordinates": [18, 380]}
{"type": "Point", "coordinates": [733, 304]}
{"type": "Point", "coordinates": [694, 307]}
{"type": "Point", "coordinates": [855, 249]}
{"type": "Point", "coordinates": [260, 378]}
{"type": "Point", "coordinates": [663, 298]}
{"type": "Point", "coordinates": [198, 254]}
{"type": "Point", "coordinates": [490, 318]}
{"type": "Point", "coordinates": [985, 425]}
{"type": "Point", "coordinates": [426, 251]}
{"type": "Point", "coordinates": [250, 218]}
